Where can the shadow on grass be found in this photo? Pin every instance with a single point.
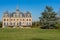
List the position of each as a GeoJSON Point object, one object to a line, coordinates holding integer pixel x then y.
{"type": "Point", "coordinates": [38, 39]}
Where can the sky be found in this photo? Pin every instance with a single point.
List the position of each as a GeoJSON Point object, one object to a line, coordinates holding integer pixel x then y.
{"type": "Point", "coordinates": [35, 7]}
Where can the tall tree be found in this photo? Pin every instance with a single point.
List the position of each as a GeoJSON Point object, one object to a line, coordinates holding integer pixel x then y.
{"type": "Point", "coordinates": [48, 18]}
{"type": "Point", "coordinates": [0, 24]}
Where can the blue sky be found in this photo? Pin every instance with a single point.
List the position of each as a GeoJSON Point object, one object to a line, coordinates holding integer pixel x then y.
{"type": "Point", "coordinates": [34, 6]}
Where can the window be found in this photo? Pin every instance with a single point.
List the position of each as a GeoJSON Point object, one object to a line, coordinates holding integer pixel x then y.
{"type": "Point", "coordinates": [6, 15]}
{"type": "Point", "coordinates": [4, 23]}
{"type": "Point", "coordinates": [17, 19]}
{"type": "Point", "coordinates": [29, 15]}
{"type": "Point", "coordinates": [14, 15]}
{"type": "Point", "coordinates": [20, 19]}
{"type": "Point", "coordinates": [14, 23]}
{"type": "Point", "coordinates": [23, 19]}
{"type": "Point", "coordinates": [20, 23]}
{"type": "Point", "coordinates": [10, 23]}
{"type": "Point", "coordinates": [11, 19]}
{"type": "Point", "coordinates": [7, 23]}
{"type": "Point", "coordinates": [17, 24]}
{"type": "Point", "coordinates": [20, 15]}
{"type": "Point", "coordinates": [7, 19]}
{"type": "Point", "coordinates": [4, 19]}
{"type": "Point", "coordinates": [28, 23]}
{"type": "Point", "coordinates": [14, 19]}
{"type": "Point", "coordinates": [27, 19]}
{"type": "Point", "coordinates": [17, 14]}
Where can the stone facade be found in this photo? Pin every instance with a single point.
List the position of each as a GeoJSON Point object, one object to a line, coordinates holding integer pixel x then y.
{"type": "Point", "coordinates": [17, 19]}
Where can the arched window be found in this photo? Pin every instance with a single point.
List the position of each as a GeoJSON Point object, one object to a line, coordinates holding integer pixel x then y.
{"type": "Point", "coordinates": [20, 14]}
{"type": "Point", "coordinates": [14, 19]}
{"type": "Point", "coordinates": [17, 23]}
{"type": "Point", "coordinates": [27, 23]}
{"type": "Point", "coordinates": [14, 23]}
{"type": "Point", "coordinates": [23, 20]}
{"type": "Point", "coordinates": [17, 19]}
{"type": "Point", "coordinates": [7, 19]}
{"type": "Point", "coordinates": [20, 19]}
{"type": "Point", "coordinates": [27, 19]}
{"type": "Point", "coordinates": [4, 19]}
{"type": "Point", "coordinates": [11, 23]}
{"type": "Point", "coordinates": [11, 19]}
{"type": "Point", "coordinates": [14, 15]}
{"type": "Point", "coordinates": [20, 23]}
{"type": "Point", "coordinates": [4, 24]}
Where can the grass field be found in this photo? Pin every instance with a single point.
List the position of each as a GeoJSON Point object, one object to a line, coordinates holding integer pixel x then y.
{"type": "Point", "coordinates": [29, 34]}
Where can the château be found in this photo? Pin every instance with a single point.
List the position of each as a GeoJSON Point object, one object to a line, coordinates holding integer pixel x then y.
{"type": "Point", "coordinates": [17, 19]}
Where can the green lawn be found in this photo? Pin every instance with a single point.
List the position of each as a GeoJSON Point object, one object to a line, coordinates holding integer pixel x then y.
{"type": "Point", "coordinates": [29, 34]}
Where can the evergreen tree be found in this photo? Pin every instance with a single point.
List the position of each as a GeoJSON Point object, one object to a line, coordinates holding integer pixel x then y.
{"type": "Point", "coordinates": [48, 18]}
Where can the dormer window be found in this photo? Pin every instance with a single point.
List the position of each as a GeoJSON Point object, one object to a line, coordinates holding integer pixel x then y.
{"type": "Point", "coordinates": [6, 14]}
{"type": "Point", "coordinates": [17, 14]}
{"type": "Point", "coordinates": [28, 14]}
{"type": "Point", "coordinates": [21, 14]}
{"type": "Point", "coordinates": [14, 15]}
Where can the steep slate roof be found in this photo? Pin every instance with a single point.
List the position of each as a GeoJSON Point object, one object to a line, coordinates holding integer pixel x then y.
{"type": "Point", "coordinates": [20, 13]}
